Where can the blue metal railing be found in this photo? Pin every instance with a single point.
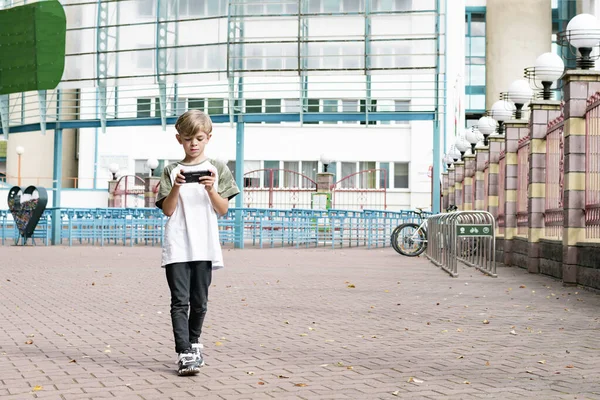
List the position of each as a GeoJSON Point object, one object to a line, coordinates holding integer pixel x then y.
{"type": "Point", "coordinates": [262, 227]}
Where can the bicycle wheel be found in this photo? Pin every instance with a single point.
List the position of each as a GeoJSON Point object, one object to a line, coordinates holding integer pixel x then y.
{"type": "Point", "coordinates": [409, 240]}
{"type": "Point", "coordinates": [393, 238]}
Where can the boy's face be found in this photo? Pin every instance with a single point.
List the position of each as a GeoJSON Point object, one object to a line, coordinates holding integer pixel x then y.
{"type": "Point", "coordinates": [194, 145]}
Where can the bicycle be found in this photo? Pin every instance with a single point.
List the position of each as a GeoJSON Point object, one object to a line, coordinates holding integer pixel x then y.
{"type": "Point", "coordinates": [413, 236]}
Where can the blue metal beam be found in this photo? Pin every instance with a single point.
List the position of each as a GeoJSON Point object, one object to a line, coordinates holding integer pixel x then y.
{"type": "Point", "coordinates": [224, 118]}
{"type": "Point", "coordinates": [57, 176]}
{"type": "Point", "coordinates": [4, 115]}
{"type": "Point", "coordinates": [239, 178]}
{"type": "Point", "coordinates": [437, 157]}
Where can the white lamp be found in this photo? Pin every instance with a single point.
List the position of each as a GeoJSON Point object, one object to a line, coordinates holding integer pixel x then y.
{"type": "Point", "coordinates": [520, 93]}
{"type": "Point", "coordinates": [20, 150]}
{"type": "Point", "coordinates": [548, 68]}
{"type": "Point", "coordinates": [454, 153]}
{"type": "Point", "coordinates": [448, 160]}
{"type": "Point", "coordinates": [114, 168]}
{"type": "Point", "coordinates": [326, 159]}
{"type": "Point", "coordinates": [487, 126]}
{"type": "Point", "coordinates": [583, 33]}
{"type": "Point", "coordinates": [472, 137]}
{"type": "Point", "coordinates": [502, 110]}
{"type": "Point", "coordinates": [152, 164]}
{"type": "Point", "coordinates": [461, 145]}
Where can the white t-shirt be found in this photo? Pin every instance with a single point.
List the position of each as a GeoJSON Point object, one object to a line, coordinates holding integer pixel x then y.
{"type": "Point", "coordinates": [192, 232]}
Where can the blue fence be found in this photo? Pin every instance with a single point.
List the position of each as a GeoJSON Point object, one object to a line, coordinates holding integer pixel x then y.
{"type": "Point", "coordinates": [262, 227]}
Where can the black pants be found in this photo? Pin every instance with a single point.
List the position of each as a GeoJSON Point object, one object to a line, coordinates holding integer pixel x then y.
{"type": "Point", "coordinates": [188, 282]}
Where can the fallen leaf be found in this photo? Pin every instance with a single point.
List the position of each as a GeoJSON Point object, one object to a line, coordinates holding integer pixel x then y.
{"type": "Point", "coordinates": [340, 364]}
{"type": "Point", "coordinates": [529, 372]}
{"type": "Point", "coordinates": [310, 328]}
{"type": "Point", "coordinates": [218, 344]}
{"type": "Point", "coordinates": [487, 363]}
{"type": "Point", "coordinates": [324, 365]}
{"type": "Point", "coordinates": [29, 341]}
{"type": "Point", "coordinates": [300, 384]}
{"type": "Point", "coordinates": [304, 334]}
{"type": "Point", "coordinates": [250, 373]}
{"type": "Point", "coordinates": [396, 393]}
{"type": "Point", "coordinates": [32, 335]}
{"type": "Point", "coordinates": [459, 357]}
{"type": "Point", "coordinates": [570, 366]}
{"type": "Point", "coordinates": [459, 330]}
{"type": "Point", "coordinates": [351, 286]}
{"type": "Point", "coordinates": [37, 388]}
{"type": "Point", "coordinates": [467, 382]}
{"type": "Point", "coordinates": [485, 321]}
{"type": "Point", "coordinates": [513, 332]}
{"type": "Point", "coordinates": [542, 362]}
{"type": "Point", "coordinates": [282, 377]}
{"type": "Point", "coordinates": [261, 383]}
{"type": "Point", "coordinates": [73, 361]}
{"type": "Point", "coordinates": [93, 283]}
{"type": "Point", "coordinates": [414, 380]}
{"type": "Point", "coordinates": [107, 351]}
{"type": "Point", "coordinates": [522, 286]}
{"type": "Point", "coordinates": [350, 367]}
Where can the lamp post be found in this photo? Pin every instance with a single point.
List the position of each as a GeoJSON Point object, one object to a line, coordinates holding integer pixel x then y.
{"type": "Point", "coordinates": [326, 160]}
{"type": "Point", "coordinates": [487, 126]}
{"type": "Point", "coordinates": [548, 68]}
{"type": "Point", "coordinates": [114, 168]}
{"type": "Point", "coordinates": [20, 150]}
{"type": "Point", "coordinates": [520, 93]}
{"type": "Point", "coordinates": [472, 137]}
{"type": "Point", "coordinates": [461, 145]}
{"type": "Point", "coordinates": [502, 110]}
{"type": "Point", "coordinates": [583, 33]}
{"type": "Point", "coordinates": [454, 153]}
{"type": "Point", "coordinates": [152, 164]}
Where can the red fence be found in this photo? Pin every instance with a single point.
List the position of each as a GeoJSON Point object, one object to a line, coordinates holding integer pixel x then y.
{"type": "Point", "coordinates": [553, 214]}
{"type": "Point", "coordinates": [592, 168]}
{"type": "Point", "coordinates": [522, 183]}
{"type": "Point", "coordinates": [501, 195]}
{"type": "Point", "coordinates": [129, 192]}
{"type": "Point", "coordinates": [362, 190]}
{"type": "Point", "coordinates": [278, 188]}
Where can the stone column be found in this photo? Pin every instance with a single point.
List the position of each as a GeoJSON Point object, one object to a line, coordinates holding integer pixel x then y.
{"type": "Point", "coordinates": [112, 201]}
{"type": "Point", "coordinates": [325, 181]}
{"type": "Point", "coordinates": [150, 183]}
{"type": "Point", "coordinates": [451, 185]}
{"type": "Point", "coordinates": [469, 181]}
{"type": "Point", "coordinates": [481, 158]}
{"type": "Point", "coordinates": [459, 172]}
{"type": "Point", "coordinates": [515, 130]}
{"type": "Point", "coordinates": [542, 112]}
{"type": "Point", "coordinates": [578, 87]}
{"type": "Point", "coordinates": [445, 191]}
{"type": "Point", "coordinates": [495, 144]}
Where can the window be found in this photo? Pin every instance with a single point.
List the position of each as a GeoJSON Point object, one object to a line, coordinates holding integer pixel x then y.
{"type": "Point", "coordinates": [384, 175]}
{"type": "Point", "coordinates": [313, 107]}
{"type": "Point", "coordinates": [402, 106]}
{"type": "Point", "coordinates": [349, 106]}
{"type": "Point", "coordinates": [330, 106]}
{"type": "Point", "coordinates": [349, 180]}
{"type": "Point", "coordinates": [215, 106]}
{"type": "Point", "coordinates": [272, 106]}
{"type": "Point", "coordinates": [401, 175]}
{"type": "Point", "coordinates": [291, 105]}
{"type": "Point", "coordinates": [144, 108]}
{"type": "Point", "coordinates": [196, 104]}
{"type": "Point", "coordinates": [178, 105]}
{"type": "Point", "coordinates": [309, 169]}
{"type": "Point", "coordinates": [367, 180]}
{"type": "Point", "coordinates": [157, 108]}
{"type": "Point", "coordinates": [253, 106]}
{"type": "Point", "coordinates": [290, 178]}
{"type": "Point", "coordinates": [271, 170]}
{"type": "Point", "coordinates": [371, 108]}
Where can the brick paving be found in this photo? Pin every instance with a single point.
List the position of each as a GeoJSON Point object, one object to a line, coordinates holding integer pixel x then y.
{"type": "Point", "coordinates": [285, 324]}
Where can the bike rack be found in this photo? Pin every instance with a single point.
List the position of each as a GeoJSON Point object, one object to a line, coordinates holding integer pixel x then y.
{"type": "Point", "coordinates": [465, 236]}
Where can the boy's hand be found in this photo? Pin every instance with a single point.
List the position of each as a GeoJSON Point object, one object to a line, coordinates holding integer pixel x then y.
{"type": "Point", "coordinates": [179, 179]}
{"type": "Point", "coordinates": [208, 181]}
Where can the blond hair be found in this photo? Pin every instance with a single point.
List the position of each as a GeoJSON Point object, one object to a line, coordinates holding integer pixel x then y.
{"type": "Point", "coordinates": [190, 122]}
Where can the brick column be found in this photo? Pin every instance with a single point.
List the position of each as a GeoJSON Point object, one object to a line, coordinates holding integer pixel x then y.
{"type": "Point", "coordinates": [451, 188]}
{"type": "Point", "coordinates": [112, 185]}
{"type": "Point", "coordinates": [445, 191]}
{"type": "Point", "coordinates": [542, 112]}
{"type": "Point", "coordinates": [578, 87]}
{"type": "Point", "coordinates": [459, 173]}
{"type": "Point", "coordinates": [482, 156]}
{"type": "Point", "coordinates": [515, 130]}
{"type": "Point", "coordinates": [149, 195]}
{"type": "Point", "coordinates": [495, 144]}
{"type": "Point", "coordinates": [469, 181]}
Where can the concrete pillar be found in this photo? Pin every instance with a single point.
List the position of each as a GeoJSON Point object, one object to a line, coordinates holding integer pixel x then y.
{"type": "Point", "coordinates": [469, 181]}
{"type": "Point", "coordinates": [515, 130]}
{"type": "Point", "coordinates": [150, 183]}
{"type": "Point", "coordinates": [112, 200]}
{"type": "Point", "coordinates": [496, 143]}
{"type": "Point", "coordinates": [481, 159]}
{"type": "Point", "coordinates": [542, 112]}
{"type": "Point", "coordinates": [459, 176]}
{"type": "Point", "coordinates": [517, 32]}
{"type": "Point", "coordinates": [325, 181]}
{"type": "Point", "coordinates": [578, 87]}
{"type": "Point", "coordinates": [445, 191]}
{"type": "Point", "coordinates": [451, 185]}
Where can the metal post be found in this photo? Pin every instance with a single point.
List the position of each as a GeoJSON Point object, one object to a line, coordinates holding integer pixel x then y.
{"type": "Point", "coordinates": [57, 176]}
{"type": "Point", "coordinates": [239, 177]}
{"type": "Point", "coordinates": [436, 193]}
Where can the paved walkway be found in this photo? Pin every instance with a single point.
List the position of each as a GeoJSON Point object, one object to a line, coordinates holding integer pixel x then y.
{"type": "Point", "coordinates": [93, 323]}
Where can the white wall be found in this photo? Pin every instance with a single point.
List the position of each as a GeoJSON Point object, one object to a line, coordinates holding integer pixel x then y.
{"type": "Point", "coordinates": [69, 198]}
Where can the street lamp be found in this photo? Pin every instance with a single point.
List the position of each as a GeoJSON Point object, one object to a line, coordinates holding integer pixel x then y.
{"type": "Point", "coordinates": [548, 68]}
{"type": "Point", "coordinates": [501, 111]}
{"type": "Point", "coordinates": [520, 93]}
{"type": "Point", "coordinates": [487, 126]}
{"type": "Point", "coordinates": [114, 168]}
{"type": "Point", "coordinates": [448, 160]}
{"type": "Point", "coordinates": [152, 164]}
{"type": "Point", "coordinates": [583, 33]}
{"type": "Point", "coordinates": [454, 153]}
{"type": "Point", "coordinates": [326, 160]}
{"type": "Point", "coordinates": [472, 137]}
{"type": "Point", "coordinates": [20, 150]}
{"type": "Point", "coordinates": [461, 145]}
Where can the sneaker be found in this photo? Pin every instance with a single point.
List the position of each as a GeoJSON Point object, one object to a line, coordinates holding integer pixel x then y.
{"type": "Point", "coordinates": [197, 347]}
{"type": "Point", "coordinates": [187, 364]}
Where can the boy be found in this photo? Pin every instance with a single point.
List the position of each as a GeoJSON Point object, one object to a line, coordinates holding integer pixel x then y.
{"type": "Point", "coordinates": [191, 248]}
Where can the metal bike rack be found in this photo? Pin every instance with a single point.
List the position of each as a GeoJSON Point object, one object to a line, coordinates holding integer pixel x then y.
{"type": "Point", "coordinates": [465, 236]}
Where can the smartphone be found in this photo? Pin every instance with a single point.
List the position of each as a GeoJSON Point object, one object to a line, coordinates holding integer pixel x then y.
{"type": "Point", "coordinates": [194, 176]}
